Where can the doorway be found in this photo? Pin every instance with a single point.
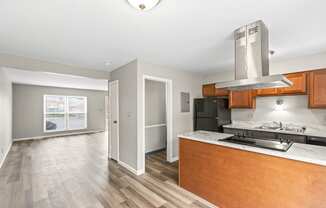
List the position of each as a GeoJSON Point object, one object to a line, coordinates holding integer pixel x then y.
{"type": "Point", "coordinates": [157, 128]}
{"type": "Point", "coordinates": [114, 120]}
{"type": "Point", "coordinates": [155, 117]}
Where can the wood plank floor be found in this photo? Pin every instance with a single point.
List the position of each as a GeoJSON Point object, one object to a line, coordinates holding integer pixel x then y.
{"type": "Point", "coordinates": [75, 172]}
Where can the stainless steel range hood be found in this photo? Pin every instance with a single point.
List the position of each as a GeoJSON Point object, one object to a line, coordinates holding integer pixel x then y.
{"type": "Point", "coordinates": [252, 60]}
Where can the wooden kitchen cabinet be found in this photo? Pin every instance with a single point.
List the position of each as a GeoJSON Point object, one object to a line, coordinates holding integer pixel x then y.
{"type": "Point", "coordinates": [209, 90]}
{"type": "Point", "coordinates": [248, 179]}
{"type": "Point", "coordinates": [221, 92]}
{"type": "Point", "coordinates": [299, 85]}
{"type": "Point", "coordinates": [267, 92]}
{"type": "Point", "coordinates": [317, 89]}
{"type": "Point", "coordinates": [242, 99]}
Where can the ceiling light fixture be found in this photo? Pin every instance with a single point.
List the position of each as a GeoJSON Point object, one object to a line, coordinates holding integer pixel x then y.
{"type": "Point", "coordinates": [144, 5]}
{"type": "Point", "coordinates": [108, 63]}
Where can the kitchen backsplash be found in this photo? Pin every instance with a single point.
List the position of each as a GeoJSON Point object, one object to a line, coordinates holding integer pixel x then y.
{"type": "Point", "coordinates": [294, 110]}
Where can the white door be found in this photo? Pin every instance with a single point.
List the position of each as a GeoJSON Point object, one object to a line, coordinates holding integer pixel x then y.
{"type": "Point", "coordinates": [114, 120]}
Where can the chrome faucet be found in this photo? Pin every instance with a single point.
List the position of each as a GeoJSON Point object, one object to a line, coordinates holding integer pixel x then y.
{"type": "Point", "coordinates": [281, 125]}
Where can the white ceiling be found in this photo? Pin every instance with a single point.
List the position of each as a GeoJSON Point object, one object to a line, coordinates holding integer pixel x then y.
{"type": "Point", "coordinates": [55, 80]}
{"type": "Point", "coordinates": [184, 34]}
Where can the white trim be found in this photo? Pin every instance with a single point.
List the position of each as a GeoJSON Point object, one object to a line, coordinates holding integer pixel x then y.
{"type": "Point", "coordinates": [174, 159]}
{"type": "Point", "coordinates": [155, 125]}
{"type": "Point", "coordinates": [118, 121]}
{"type": "Point", "coordinates": [169, 124]}
{"type": "Point", "coordinates": [5, 155]}
{"type": "Point", "coordinates": [131, 169]}
{"type": "Point", "coordinates": [57, 135]}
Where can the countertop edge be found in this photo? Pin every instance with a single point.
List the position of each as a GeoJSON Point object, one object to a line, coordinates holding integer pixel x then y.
{"type": "Point", "coordinates": [297, 147]}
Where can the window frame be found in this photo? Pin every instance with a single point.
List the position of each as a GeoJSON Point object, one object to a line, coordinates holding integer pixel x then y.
{"type": "Point", "coordinates": [66, 113]}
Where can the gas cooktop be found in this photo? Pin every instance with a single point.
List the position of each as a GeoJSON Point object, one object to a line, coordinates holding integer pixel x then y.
{"type": "Point", "coordinates": [267, 144]}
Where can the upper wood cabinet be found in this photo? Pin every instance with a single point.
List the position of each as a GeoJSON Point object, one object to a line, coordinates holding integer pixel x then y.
{"type": "Point", "coordinates": [242, 99]}
{"type": "Point", "coordinates": [267, 92]}
{"type": "Point", "coordinates": [221, 92]}
{"type": "Point", "coordinates": [299, 85]}
{"type": "Point", "coordinates": [209, 90]}
{"type": "Point", "coordinates": [317, 89]}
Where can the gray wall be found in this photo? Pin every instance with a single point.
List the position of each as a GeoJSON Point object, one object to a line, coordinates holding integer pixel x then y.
{"type": "Point", "coordinates": [127, 76]}
{"type": "Point", "coordinates": [131, 111]}
{"type": "Point", "coordinates": [182, 81]}
{"type": "Point", "coordinates": [155, 113]}
{"type": "Point", "coordinates": [5, 114]}
{"type": "Point", "coordinates": [28, 109]}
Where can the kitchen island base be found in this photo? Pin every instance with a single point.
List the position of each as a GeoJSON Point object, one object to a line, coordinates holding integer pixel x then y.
{"type": "Point", "coordinates": [232, 178]}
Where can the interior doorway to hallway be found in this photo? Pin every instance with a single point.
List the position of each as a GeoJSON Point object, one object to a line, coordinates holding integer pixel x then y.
{"type": "Point", "coordinates": [157, 118]}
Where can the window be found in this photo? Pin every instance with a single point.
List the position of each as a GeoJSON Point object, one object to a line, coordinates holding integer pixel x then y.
{"type": "Point", "coordinates": [63, 113]}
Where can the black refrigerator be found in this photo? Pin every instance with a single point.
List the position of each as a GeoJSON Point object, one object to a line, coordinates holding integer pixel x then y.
{"type": "Point", "coordinates": [211, 114]}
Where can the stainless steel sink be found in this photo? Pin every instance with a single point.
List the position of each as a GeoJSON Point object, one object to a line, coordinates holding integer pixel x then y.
{"type": "Point", "coordinates": [268, 127]}
{"type": "Point", "coordinates": [282, 127]}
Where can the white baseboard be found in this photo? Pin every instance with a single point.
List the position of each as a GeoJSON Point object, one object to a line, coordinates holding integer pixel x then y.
{"type": "Point", "coordinates": [131, 169]}
{"type": "Point", "coordinates": [57, 135]}
{"type": "Point", "coordinates": [174, 159]}
{"type": "Point", "coordinates": [5, 155]}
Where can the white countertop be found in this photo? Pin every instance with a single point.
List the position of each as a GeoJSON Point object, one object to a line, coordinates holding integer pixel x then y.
{"type": "Point", "coordinates": [309, 132]}
{"type": "Point", "coordinates": [300, 152]}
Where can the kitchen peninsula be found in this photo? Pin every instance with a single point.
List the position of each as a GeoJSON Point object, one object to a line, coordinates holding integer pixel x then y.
{"type": "Point", "coordinates": [234, 175]}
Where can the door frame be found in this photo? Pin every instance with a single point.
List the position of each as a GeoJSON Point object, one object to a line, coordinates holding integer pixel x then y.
{"type": "Point", "coordinates": [169, 113]}
{"type": "Point", "coordinates": [110, 119]}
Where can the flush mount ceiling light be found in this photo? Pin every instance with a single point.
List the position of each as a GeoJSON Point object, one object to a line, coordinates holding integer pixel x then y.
{"type": "Point", "coordinates": [144, 5]}
{"type": "Point", "coordinates": [108, 63]}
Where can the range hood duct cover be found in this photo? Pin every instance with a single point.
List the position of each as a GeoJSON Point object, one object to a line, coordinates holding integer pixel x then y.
{"type": "Point", "coordinates": [252, 60]}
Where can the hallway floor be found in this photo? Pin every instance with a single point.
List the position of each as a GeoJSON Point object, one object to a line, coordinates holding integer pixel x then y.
{"type": "Point", "coordinates": [75, 172]}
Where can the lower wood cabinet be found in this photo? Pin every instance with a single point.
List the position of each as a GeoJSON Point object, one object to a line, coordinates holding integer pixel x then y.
{"type": "Point", "coordinates": [242, 99]}
{"type": "Point", "coordinates": [234, 178]}
{"type": "Point", "coordinates": [317, 89]}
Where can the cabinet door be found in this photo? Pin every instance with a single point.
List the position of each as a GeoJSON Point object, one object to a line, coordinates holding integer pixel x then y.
{"type": "Point", "coordinates": [209, 90]}
{"type": "Point", "coordinates": [221, 92]}
{"type": "Point", "coordinates": [317, 89]}
{"type": "Point", "coordinates": [242, 99]}
{"type": "Point", "coordinates": [267, 92]}
{"type": "Point", "coordinates": [299, 86]}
